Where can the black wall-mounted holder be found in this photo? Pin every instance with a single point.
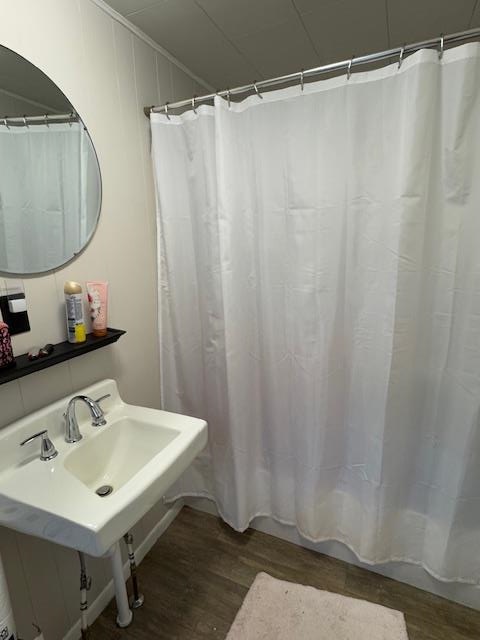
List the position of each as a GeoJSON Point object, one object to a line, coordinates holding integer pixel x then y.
{"type": "Point", "coordinates": [17, 322]}
{"type": "Point", "coordinates": [62, 351]}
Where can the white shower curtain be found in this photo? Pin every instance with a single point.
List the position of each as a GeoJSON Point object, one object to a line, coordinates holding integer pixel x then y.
{"type": "Point", "coordinates": [45, 187]}
{"type": "Point", "coordinates": [320, 306]}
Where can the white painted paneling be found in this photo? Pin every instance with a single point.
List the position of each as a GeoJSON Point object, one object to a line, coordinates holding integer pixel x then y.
{"type": "Point", "coordinates": [164, 79]}
{"type": "Point", "coordinates": [11, 404]}
{"type": "Point", "coordinates": [109, 74]}
{"type": "Point", "coordinates": [44, 321]}
{"type": "Point", "coordinates": [41, 573]}
{"type": "Point", "coordinates": [16, 578]}
{"type": "Point", "coordinates": [44, 387]}
{"type": "Point", "coordinates": [68, 566]}
{"type": "Point", "coordinates": [92, 367]}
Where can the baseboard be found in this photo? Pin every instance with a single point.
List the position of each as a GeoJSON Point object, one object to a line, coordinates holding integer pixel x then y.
{"type": "Point", "coordinates": [96, 607]}
{"type": "Point", "coordinates": [466, 594]}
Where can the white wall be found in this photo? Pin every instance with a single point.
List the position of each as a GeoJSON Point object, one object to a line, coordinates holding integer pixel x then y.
{"type": "Point", "coordinates": [109, 74]}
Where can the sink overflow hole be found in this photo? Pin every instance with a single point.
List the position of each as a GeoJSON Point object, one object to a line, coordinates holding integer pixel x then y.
{"type": "Point", "coordinates": [104, 490]}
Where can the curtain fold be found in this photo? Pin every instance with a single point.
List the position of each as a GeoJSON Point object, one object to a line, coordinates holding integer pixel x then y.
{"type": "Point", "coordinates": [319, 287]}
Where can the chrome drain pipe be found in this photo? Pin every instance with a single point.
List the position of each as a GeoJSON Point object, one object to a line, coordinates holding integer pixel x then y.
{"type": "Point", "coordinates": [85, 584]}
{"type": "Point", "coordinates": [138, 598]}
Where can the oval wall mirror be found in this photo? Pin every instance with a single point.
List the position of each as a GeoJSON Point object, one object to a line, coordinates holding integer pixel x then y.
{"type": "Point", "coordinates": [50, 183]}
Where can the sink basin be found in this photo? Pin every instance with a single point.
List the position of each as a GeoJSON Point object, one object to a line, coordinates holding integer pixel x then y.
{"type": "Point", "coordinates": [138, 455]}
{"type": "Point", "coordinates": [116, 455]}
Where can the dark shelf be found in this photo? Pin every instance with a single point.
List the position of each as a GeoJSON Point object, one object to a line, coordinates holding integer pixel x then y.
{"type": "Point", "coordinates": [62, 351]}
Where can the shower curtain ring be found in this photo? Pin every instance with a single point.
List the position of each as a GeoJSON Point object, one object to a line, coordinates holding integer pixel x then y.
{"type": "Point", "coordinates": [228, 97]}
{"type": "Point", "coordinates": [193, 105]}
{"type": "Point", "coordinates": [256, 90]}
{"type": "Point", "coordinates": [442, 42]}
{"type": "Point", "coordinates": [45, 117]}
{"type": "Point", "coordinates": [25, 121]}
{"type": "Point", "coordinates": [72, 117]}
{"type": "Point", "coordinates": [349, 69]}
{"type": "Point", "coordinates": [5, 122]}
{"type": "Point", "coordinates": [400, 59]}
{"type": "Point", "coordinates": [166, 110]}
{"type": "Point", "coordinates": [302, 82]}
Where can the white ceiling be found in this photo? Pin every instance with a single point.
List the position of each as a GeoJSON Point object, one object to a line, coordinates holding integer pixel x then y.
{"type": "Point", "coordinates": [233, 42]}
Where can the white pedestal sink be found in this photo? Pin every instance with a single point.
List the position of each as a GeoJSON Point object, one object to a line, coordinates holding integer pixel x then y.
{"type": "Point", "coordinates": [139, 453]}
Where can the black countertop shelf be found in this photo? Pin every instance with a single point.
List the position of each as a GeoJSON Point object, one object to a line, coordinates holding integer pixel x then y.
{"type": "Point", "coordinates": [62, 351]}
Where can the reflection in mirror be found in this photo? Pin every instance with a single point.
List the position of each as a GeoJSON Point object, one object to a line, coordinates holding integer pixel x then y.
{"type": "Point", "coordinates": [50, 185]}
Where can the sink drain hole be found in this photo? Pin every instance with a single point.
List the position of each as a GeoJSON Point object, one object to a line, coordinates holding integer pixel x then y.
{"type": "Point", "coordinates": [104, 490]}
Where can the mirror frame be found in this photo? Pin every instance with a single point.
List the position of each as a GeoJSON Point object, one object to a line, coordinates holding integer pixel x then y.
{"type": "Point", "coordinates": [17, 274]}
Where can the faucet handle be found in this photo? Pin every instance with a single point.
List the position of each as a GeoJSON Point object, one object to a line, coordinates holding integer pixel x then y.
{"type": "Point", "coordinates": [107, 395]}
{"type": "Point", "coordinates": [48, 450]}
{"type": "Point", "coordinates": [98, 417]}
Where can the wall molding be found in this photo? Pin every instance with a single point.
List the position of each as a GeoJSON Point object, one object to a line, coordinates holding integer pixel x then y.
{"type": "Point", "coordinates": [143, 36]}
{"type": "Point", "coordinates": [96, 607]}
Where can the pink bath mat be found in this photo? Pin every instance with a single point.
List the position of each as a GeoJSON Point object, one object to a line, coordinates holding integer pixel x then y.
{"type": "Point", "coordinates": [278, 610]}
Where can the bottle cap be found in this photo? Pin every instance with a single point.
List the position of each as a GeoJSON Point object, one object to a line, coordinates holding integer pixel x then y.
{"type": "Point", "coordinates": [72, 287]}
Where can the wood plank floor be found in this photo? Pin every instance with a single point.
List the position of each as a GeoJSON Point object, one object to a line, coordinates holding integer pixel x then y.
{"type": "Point", "coordinates": [195, 578]}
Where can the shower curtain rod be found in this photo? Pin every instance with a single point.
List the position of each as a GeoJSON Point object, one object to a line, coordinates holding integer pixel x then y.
{"type": "Point", "coordinates": [301, 76]}
{"type": "Point", "coordinates": [47, 119]}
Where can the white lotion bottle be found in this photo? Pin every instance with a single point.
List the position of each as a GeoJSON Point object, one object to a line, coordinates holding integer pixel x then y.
{"type": "Point", "coordinates": [74, 309]}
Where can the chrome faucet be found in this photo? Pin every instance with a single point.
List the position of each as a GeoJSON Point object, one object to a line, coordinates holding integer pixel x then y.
{"type": "Point", "coordinates": [72, 432]}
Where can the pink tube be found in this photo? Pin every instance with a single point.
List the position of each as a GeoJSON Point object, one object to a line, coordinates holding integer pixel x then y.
{"type": "Point", "coordinates": [97, 293]}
